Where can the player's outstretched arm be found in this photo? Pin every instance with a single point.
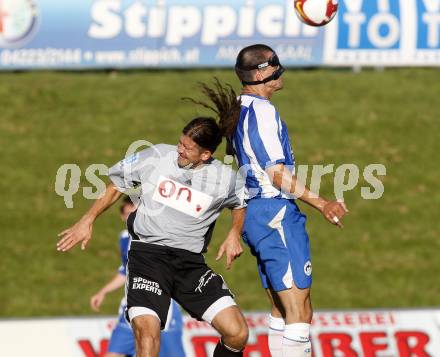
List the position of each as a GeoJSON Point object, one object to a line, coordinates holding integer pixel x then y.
{"type": "Point", "coordinates": [232, 244]}
{"type": "Point", "coordinates": [283, 179]}
{"type": "Point", "coordinates": [81, 231]}
{"type": "Point", "coordinates": [115, 283]}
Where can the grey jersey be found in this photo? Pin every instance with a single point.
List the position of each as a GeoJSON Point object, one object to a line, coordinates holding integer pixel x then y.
{"type": "Point", "coordinates": [178, 207]}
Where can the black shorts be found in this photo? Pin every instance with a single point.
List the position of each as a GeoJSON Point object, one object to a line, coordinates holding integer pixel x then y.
{"type": "Point", "coordinates": [156, 274]}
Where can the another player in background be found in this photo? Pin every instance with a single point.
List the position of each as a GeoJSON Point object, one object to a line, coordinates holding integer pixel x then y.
{"type": "Point", "coordinates": [274, 227]}
{"type": "Point", "coordinates": [122, 341]}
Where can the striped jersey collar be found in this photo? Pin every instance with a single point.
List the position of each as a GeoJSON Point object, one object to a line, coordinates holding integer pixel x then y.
{"type": "Point", "coordinates": [255, 96]}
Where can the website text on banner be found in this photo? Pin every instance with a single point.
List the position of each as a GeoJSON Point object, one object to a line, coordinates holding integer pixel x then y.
{"type": "Point", "coordinates": [398, 333]}
{"type": "Point", "coordinates": [156, 33]}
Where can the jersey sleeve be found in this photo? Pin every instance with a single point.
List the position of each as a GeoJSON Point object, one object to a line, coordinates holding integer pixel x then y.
{"type": "Point", "coordinates": [126, 173]}
{"type": "Point", "coordinates": [264, 130]}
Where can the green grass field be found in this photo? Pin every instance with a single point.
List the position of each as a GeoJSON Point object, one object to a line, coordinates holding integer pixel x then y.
{"type": "Point", "coordinates": [386, 256]}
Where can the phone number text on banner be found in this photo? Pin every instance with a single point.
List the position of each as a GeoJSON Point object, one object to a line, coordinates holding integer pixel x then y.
{"type": "Point", "coordinates": [146, 33]}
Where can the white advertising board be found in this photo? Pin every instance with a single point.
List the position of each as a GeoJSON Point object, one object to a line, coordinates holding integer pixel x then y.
{"type": "Point", "coordinates": [372, 333]}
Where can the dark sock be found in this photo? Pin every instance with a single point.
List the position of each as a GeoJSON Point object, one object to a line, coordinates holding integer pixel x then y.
{"type": "Point", "coordinates": [222, 351]}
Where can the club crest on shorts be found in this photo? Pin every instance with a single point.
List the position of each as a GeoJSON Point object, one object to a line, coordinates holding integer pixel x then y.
{"type": "Point", "coordinates": [182, 198]}
{"type": "Point", "coordinates": [18, 22]}
{"type": "Point", "coordinates": [308, 268]}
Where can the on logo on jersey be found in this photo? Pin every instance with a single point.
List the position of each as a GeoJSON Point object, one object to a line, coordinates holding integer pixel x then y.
{"type": "Point", "coordinates": [182, 198]}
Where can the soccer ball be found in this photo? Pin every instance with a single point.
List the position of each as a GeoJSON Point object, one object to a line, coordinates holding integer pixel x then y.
{"type": "Point", "coordinates": [316, 12]}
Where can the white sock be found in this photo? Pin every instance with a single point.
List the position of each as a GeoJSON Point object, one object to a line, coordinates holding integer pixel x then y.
{"type": "Point", "coordinates": [275, 335]}
{"type": "Point", "coordinates": [296, 341]}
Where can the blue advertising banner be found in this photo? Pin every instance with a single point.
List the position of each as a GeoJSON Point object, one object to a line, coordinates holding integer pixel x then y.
{"type": "Point", "coordinates": [384, 32]}
{"type": "Point", "coordinates": [138, 33]}
{"type": "Point", "coordinates": [81, 34]}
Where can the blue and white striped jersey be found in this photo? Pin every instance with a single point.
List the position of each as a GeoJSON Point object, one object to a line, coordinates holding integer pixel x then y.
{"type": "Point", "coordinates": [261, 140]}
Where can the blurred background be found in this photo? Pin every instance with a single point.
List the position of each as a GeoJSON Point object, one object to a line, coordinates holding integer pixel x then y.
{"type": "Point", "coordinates": [82, 80]}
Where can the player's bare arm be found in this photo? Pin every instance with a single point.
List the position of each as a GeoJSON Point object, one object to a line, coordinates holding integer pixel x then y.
{"type": "Point", "coordinates": [81, 231]}
{"type": "Point", "coordinates": [232, 244]}
{"type": "Point", "coordinates": [284, 180]}
{"type": "Point", "coordinates": [118, 281]}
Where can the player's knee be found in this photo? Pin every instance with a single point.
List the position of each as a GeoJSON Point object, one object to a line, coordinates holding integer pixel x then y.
{"type": "Point", "coordinates": [277, 312]}
{"type": "Point", "coordinates": [243, 335]}
{"type": "Point", "coordinates": [299, 313]}
{"type": "Point", "coordinates": [299, 309]}
{"type": "Point", "coordinates": [307, 310]}
{"type": "Point", "coordinates": [306, 315]}
{"type": "Point", "coordinates": [148, 342]}
{"type": "Point", "coordinates": [237, 335]}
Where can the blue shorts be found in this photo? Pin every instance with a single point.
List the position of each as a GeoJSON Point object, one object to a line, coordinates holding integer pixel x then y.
{"type": "Point", "coordinates": [275, 231]}
{"type": "Point", "coordinates": [171, 344]}
{"type": "Point", "coordinates": [122, 338]}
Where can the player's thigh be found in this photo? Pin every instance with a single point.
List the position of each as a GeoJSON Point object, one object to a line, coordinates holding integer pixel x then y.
{"type": "Point", "coordinates": [231, 322]}
{"type": "Point", "coordinates": [145, 326]}
{"type": "Point", "coordinates": [146, 329]}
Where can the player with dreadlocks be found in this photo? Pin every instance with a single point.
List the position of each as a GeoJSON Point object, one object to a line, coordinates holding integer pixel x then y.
{"type": "Point", "coordinates": [183, 190]}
